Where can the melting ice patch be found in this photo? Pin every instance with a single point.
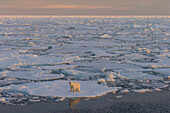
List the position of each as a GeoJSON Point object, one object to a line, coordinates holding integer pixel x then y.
{"type": "Point", "coordinates": [61, 88]}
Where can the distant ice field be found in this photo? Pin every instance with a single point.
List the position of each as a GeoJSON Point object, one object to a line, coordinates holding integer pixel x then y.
{"type": "Point", "coordinates": [44, 50]}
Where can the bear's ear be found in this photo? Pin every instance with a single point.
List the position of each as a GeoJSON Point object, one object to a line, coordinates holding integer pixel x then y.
{"type": "Point", "coordinates": [69, 82]}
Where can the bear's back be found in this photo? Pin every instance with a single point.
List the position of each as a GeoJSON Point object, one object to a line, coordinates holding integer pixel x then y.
{"type": "Point", "coordinates": [75, 83]}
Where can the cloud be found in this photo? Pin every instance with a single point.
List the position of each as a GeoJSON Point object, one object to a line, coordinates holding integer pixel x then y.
{"type": "Point", "coordinates": [84, 7]}
{"type": "Point", "coordinates": [56, 7]}
{"type": "Point", "coordinates": [70, 7]}
{"type": "Point", "coordinates": [6, 6]}
{"type": "Point", "coordinates": [65, 7]}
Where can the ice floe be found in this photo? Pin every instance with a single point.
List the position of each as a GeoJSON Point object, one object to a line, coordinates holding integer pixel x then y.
{"type": "Point", "coordinates": [31, 75]}
{"type": "Point", "coordinates": [101, 80]}
{"type": "Point", "coordinates": [125, 91]}
{"type": "Point", "coordinates": [110, 77]}
{"type": "Point", "coordinates": [163, 71]}
{"type": "Point", "coordinates": [105, 36]}
{"type": "Point", "coordinates": [142, 90]}
{"type": "Point", "coordinates": [164, 63]}
{"type": "Point", "coordinates": [144, 50]}
{"type": "Point", "coordinates": [139, 75]}
{"type": "Point", "coordinates": [57, 67]}
{"type": "Point", "coordinates": [61, 88]}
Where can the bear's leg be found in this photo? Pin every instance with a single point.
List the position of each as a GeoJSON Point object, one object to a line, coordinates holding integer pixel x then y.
{"type": "Point", "coordinates": [71, 89]}
{"type": "Point", "coordinates": [74, 89]}
{"type": "Point", "coordinates": [78, 89]}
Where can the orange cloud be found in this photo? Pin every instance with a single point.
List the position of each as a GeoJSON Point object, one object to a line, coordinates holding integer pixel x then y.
{"type": "Point", "coordinates": [5, 6]}
{"type": "Point", "coordinates": [56, 7]}
{"type": "Point", "coordinates": [66, 7]}
{"type": "Point", "coordinates": [73, 7]}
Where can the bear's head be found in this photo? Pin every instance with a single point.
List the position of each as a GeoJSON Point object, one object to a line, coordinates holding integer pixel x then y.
{"type": "Point", "coordinates": [70, 83]}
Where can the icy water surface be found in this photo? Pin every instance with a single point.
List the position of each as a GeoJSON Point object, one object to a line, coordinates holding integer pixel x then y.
{"type": "Point", "coordinates": [129, 53]}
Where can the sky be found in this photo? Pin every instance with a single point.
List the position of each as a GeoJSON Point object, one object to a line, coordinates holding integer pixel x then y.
{"type": "Point", "coordinates": [84, 7]}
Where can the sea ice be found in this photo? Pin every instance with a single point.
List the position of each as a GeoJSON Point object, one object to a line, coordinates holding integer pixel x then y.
{"type": "Point", "coordinates": [163, 71]}
{"type": "Point", "coordinates": [139, 75]}
{"type": "Point", "coordinates": [110, 77]}
{"type": "Point", "coordinates": [142, 90]}
{"type": "Point", "coordinates": [125, 91]}
{"type": "Point", "coordinates": [144, 50]}
{"type": "Point", "coordinates": [57, 67]}
{"type": "Point", "coordinates": [101, 80]}
{"type": "Point", "coordinates": [164, 63]}
{"type": "Point", "coordinates": [105, 36]}
{"type": "Point", "coordinates": [85, 48]}
{"type": "Point", "coordinates": [78, 74]}
{"type": "Point", "coordinates": [61, 88]}
{"type": "Point", "coordinates": [31, 75]}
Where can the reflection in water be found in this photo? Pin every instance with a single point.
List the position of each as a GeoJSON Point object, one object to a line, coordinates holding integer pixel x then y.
{"type": "Point", "coordinates": [74, 102]}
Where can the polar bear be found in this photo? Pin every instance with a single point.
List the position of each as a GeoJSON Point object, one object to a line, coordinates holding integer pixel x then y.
{"type": "Point", "coordinates": [74, 86]}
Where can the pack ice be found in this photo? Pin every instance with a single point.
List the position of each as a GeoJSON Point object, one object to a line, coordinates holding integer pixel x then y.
{"type": "Point", "coordinates": [47, 52]}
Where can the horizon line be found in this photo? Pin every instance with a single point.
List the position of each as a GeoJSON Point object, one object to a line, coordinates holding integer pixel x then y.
{"type": "Point", "coordinates": [142, 15]}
